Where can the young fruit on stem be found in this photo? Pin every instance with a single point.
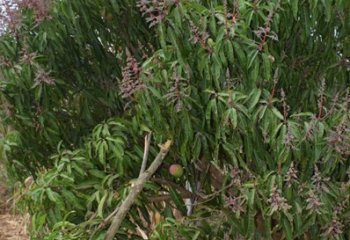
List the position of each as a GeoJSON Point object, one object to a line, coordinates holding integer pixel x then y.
{"type": "Point", "coordinates": [176, 170]}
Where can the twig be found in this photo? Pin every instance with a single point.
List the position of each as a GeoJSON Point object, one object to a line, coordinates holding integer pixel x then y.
{"type": "Point", "coordinates": [145, 153]}
{"type": "Point", "coordinates": [209, 197]}
{"type": "Point", "coordinates": [136, 189]}
{"type": "Point", "coordinates": [107, 219]}
{"type": "Point", "coordinates": [217, 177]}
{"type": "Point", "coordinates": [182, 191]}
{"type": "Point", "coordinates": [267, 28]}
{"type": "Point", "coordinates": [186, 194]}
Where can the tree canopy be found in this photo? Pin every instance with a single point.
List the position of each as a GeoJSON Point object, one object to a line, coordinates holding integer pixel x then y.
{"type": "Point", "coordinates": [253, 94]}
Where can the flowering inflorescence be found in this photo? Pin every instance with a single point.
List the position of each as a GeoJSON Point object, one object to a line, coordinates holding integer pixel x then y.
{"type": "Point", "coordinates": [154, 10]}
{"type": "Point", "coordinates": [342, 205]}
{"type": "Point", "coordinates": [313, 202]}
{"type": "Point", "coordinates": [286, 107]}
{"type": "Point", "coordinates": [28, 57]}
{"type": "Point", "coordinates": [5, 62]}
{"type": "Point", "coordinates": [230, 18]}
{"type": "Point", "coordinates": [319, 181]}
{"type": "Point", "coordinates": [340, 139]}
{"type": "Point", "coordinates": [198, 35]}
{"type": "Point", "coordinates": [310, 131]}
{"type": "Point", "coordinates": [288, 140]}
{"type": "Point", "coordinates": [42, 76]}
{"type": "Point", "coordinates": [41, 8]}
{"type": "Point", "coordinates": [131, 77]}
{"type": "Point", "coordinates": [236, 204]}
{"type": "Point", "coordinates": [263, 33]}
{"type": "Point", "coordinates": [10, 15]}
{"type": "Point", "coordinates": [321, 97]}
{"type": "Point", "coordinates": [236, 176]}
{"type": "Point", "coordinates": [178, 91]}
{"type": "Point", "coordinates": [291, 175]}
{"type": "Point", "coordinates": [277, 201]}
{"type": "Point", "coordinates": [334, 229]}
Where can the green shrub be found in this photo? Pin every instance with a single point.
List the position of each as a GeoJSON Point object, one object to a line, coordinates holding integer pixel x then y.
{"type": "Point", "coordinates": [254, 95]}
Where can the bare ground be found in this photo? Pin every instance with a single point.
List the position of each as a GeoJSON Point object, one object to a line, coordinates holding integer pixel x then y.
{"type": "Point", "coordinates": [12, 226]}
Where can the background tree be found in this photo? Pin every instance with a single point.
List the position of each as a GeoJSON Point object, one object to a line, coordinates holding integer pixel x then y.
{"type": "Point", "coordinates": [253, 94]}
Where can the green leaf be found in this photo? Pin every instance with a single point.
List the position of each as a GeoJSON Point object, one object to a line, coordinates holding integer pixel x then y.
{"type": "Point", "coordinates": [328, 9]}
{"type": "Point", "coordinates": [51, 195]}
{"type": "Point", "coordinates": [252, 55]}
{"type": "Point", "coordinates": [254, 73]}
{"type": "Point", "coordinates": [240, 53]}
{"type": "Point", "coordinates": [287, 229]}
{"type": "Point", "coordinates": [254, 98]}
{"type": "Point", "coordinates": [175, 196]}
{"type": "Point", "coordinates": [229, 51]}
{"type": "Point", "coordinates": [294, 4]}
{"type": "Point", "coordinates": [251, 198]}
{"type": "Point", "coordinates": [266, 66]}
{"type": "Point", "coordinates": [277, 113]}
{"type": "Point", "coordinates": [101, 204]}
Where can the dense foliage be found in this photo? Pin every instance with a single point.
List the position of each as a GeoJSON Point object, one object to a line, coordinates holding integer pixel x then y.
{"type": "Point", "coordinates": [254, 95]}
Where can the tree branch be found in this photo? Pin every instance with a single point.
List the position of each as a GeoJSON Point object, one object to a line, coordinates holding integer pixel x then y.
{"type": "Point", "coordinates": [145, 153]}
{"type": "Point", "coordinates": [136, 189]}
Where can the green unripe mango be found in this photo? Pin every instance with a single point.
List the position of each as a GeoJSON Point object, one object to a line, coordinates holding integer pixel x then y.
{"type": "Point", "coordinates": [176, 170]}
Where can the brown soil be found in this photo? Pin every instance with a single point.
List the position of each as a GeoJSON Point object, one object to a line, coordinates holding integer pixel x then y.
{"type": "Point", "coordinates": [12, 226]}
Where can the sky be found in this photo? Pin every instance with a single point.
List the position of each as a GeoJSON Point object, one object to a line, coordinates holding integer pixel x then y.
{"type": "Point", "coordinates": [3, 14]}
